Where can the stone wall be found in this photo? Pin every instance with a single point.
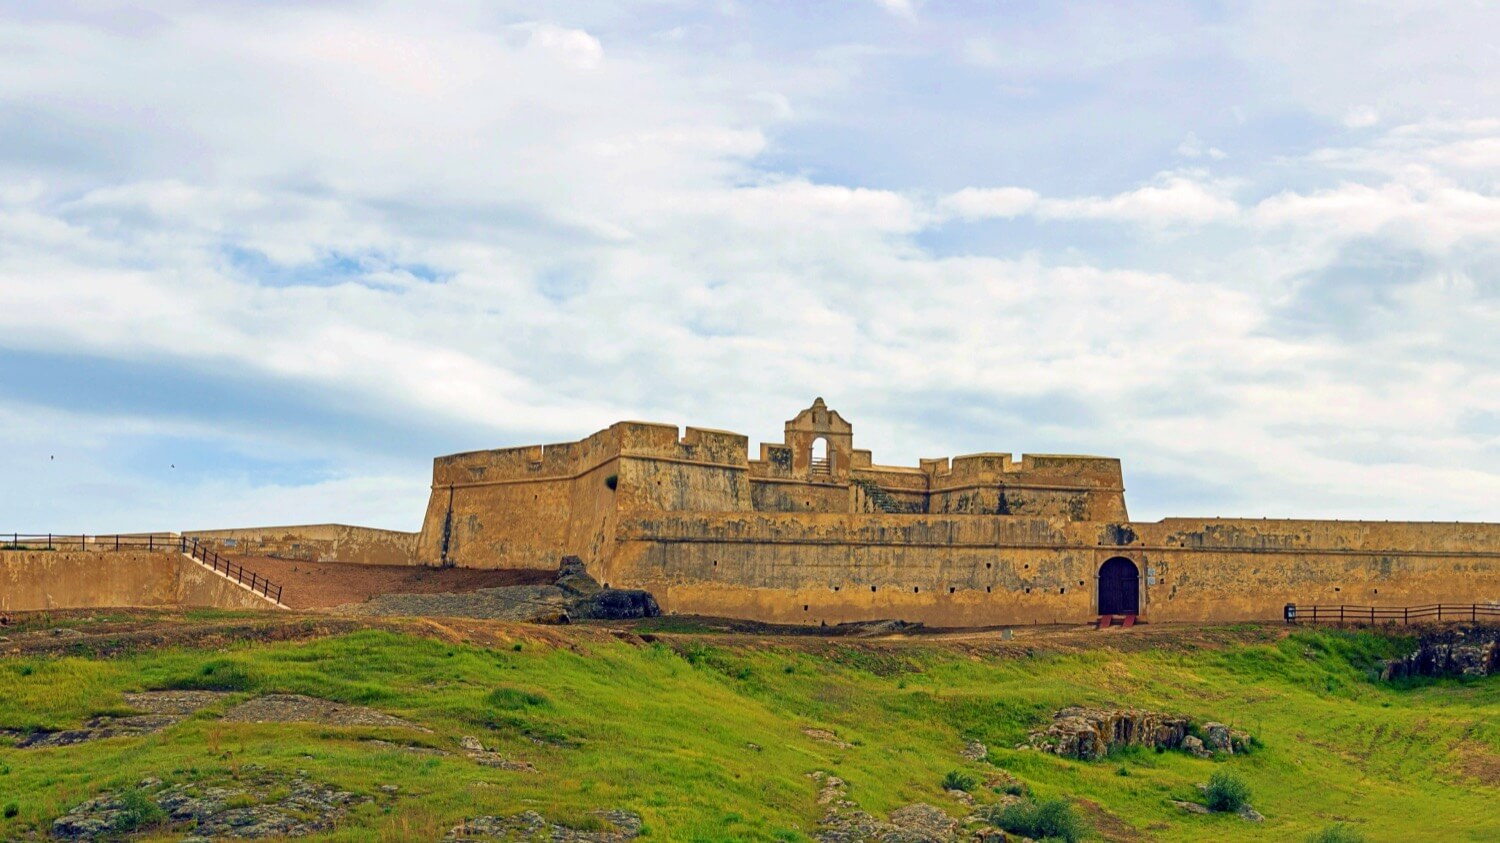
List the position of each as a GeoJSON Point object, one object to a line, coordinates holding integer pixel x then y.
{"type": "Point", "coordinates": [981, 571]}
{"type": "Point", "coordinates": [315, 543]}
{"type": "Point", "coordinates": [39, 580]}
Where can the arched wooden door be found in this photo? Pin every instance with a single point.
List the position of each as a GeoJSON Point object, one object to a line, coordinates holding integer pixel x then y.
{"type": "Point", "coordinates": [1119, 587]}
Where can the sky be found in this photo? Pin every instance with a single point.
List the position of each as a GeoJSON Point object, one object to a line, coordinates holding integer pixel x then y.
{"type": "Point", "coordinates": [260, 262]}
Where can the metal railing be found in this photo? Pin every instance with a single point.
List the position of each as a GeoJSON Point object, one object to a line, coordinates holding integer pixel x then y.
{"type": "Point", "coordinates": [199, 551]}
{"type": "Point", "coordinates": [1437, 612]}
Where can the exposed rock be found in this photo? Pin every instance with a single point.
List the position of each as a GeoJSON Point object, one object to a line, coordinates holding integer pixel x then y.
{"type": "Point", "coordinates": [619, 604]}
{"type": "Point", "coordinates": [484, 757]}
{"type": "Point", "coordinates": [1248, 813]}
{"type": "Point", "coordinates": [94, 729]}
{"type": "Point", "coordinates": [529, 825]}
{"type": "Point", "coordinates": [825, 736]}
{"type": "Point", "coordinates": [264, 805]}
{"type": "Point", "coordinates": [573, 577]}
{"type": "Point", "coordinates": [295, 708]}
{"type": "Point", "coordinates": [376, 743]}
{"type": "Point", "coordinates": [973, 751]}
{"type": "Point", "coordinates": [1090, 733]}
{"type": "Point", "coordinates": [1216, 738]}
{"type": "Point", "coordinates": [1194, 747]}
{"type": "Point", "coordinates": [1191, 807]}
{"type": "Point", "coordinates": [924, 822]}
{"type": "Point", "coordinates": [1459, 651]}
{"type": "Point", "coordinates": [162, 709]}
{"type": "Point", "coordinates": [173, 702]}
{"type": "Point", "coordinates": [843, 822]}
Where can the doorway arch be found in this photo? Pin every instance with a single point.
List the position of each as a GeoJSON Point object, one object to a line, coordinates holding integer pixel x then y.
{"type": "Point", "coordinates": [1119, 587]}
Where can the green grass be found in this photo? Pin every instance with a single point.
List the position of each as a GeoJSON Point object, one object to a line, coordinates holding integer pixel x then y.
{"type": "Point", "coordinates": [704, 736]}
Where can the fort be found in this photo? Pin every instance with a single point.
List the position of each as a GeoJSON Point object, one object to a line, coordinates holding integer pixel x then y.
{"type": "Point", "coordinates": [814, 531]}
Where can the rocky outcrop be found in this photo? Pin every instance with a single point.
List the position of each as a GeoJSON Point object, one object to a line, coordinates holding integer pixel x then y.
{"type": "Point", "coordinates": [843, 822]}
{"type": "Point", "coordinates": [529, 825]}
{"type": "Point", "coordinates": [1090, 733]}
{"type": "Point", "coordinates": [295, 708]}
{"type": "Point", "coordinates": [1468, 650]}
{"type": "Point", "coordinates": [162, 709]}
{"type": "Point", "coordinates": [260, 805]}
{"type": "Point", "coordinates": [477, 753]}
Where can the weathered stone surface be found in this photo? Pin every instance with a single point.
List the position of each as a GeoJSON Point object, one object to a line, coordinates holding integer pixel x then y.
{"type": "Point", "coordinates": [1192, 746]}
{"type": "Point", "coordinates": [477, 753]}
{"type": "Point", "coordinates": [529, 825]}
{"type": "Point", "coordinates": [1216, 738]}
{"type": "Point", "coordinates": [262, 805]}
{"type": "Point", "coordinates": [96, 728]}
{"type": "Point", "coordinates": [825, 736]}
{"type": "Point", "coordinates": [295, 708]}
{"type": "Point", "coordinates": [973, 751]}
{"type": "Point", "coordinates": [843, 822]}
{"type": "Point", "coordinates": [1468, 650]}
{"type": "Point", "coordinates": [1089, 733]}
{"type": "Point", "coordinates": [173, 702]}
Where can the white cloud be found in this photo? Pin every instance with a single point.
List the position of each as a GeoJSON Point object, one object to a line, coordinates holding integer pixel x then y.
{"type": "Point", "coordinates": [980, 203]}
{"type": "Point", "coordinates": [900, 8]}
{"type": "Point", "coordinates": [451, 217]}
{"type": "Point", "coordinates": [1192, 147]}
{"type": "Point", "coordinates": [1361, 117]}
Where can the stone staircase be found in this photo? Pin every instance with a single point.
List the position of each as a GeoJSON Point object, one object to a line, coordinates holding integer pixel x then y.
{"type": "Point", "coordinates": [879, 498]}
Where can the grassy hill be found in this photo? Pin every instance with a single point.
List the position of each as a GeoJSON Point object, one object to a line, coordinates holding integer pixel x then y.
{"type": "Point", "coordinates": [713, 737]}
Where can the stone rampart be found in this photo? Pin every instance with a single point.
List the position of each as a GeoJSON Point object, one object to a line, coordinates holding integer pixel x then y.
{"type": "Point", "coordinates": [980, 571]}
{"type": "Point", "coordinates": [41, 580]}
{"type": "Point", "coordinates": [315, 543]}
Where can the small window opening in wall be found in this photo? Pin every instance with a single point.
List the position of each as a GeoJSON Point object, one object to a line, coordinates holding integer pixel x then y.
{"type": "Point", "coordinates": [1377, 591]}
{"type": "Point", "coordinates": [1027, 566]}
{"type": "Point", "coordinates": [1336, 588]}
{"type": "Point", "coordinates": [952, 589]}
{"type": "Point", "coordinates": [1063, 590]}
{"type": "Point", "coordinates": [915, 589]}
{"type": "Point", "coordinates": [872, 588]}
{"type": "Point", "coordinates": [716, 563]}
{"type": "Point", "coordinates": [1028, 591]}
{"type": "Point", "coordinates": [986, 589]}
{"type": "Point", "coordinates": [804, 607]}
{"type": "Point", "coordinates": [989, 564]}
{"type": "Point", "coordinates": [1080, 582]}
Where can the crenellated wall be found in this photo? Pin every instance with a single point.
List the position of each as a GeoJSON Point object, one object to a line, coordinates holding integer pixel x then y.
{"type": "Point", "coordinates": [981, 571]}
{"type": "Point", "coordinates": [982, 539]}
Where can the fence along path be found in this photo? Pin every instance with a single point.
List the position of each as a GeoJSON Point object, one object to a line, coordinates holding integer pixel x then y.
{"type": "Point", "coordinates": [1395, 614]}
{"type": "Point", "coordinates": [192, 548]}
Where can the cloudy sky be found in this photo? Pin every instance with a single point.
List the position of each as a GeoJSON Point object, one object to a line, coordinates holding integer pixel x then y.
{"type": "Point", "coordinates": [260, 262]}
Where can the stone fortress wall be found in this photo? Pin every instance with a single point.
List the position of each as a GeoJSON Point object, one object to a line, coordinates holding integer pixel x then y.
{"type": "Point", "coordinates": [813, 531]}
{"type": "Point", "coordinates": [36, 580]}
{"type": "Point", "coordinates": [314, 543]}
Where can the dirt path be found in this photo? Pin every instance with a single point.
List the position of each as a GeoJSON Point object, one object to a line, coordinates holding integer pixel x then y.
{"type": "Point", "coordinates": [323, 585]}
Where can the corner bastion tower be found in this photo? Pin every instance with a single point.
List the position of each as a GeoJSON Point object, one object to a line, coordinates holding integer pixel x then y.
{"type": "Point", "coordinates": [814, 531]}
